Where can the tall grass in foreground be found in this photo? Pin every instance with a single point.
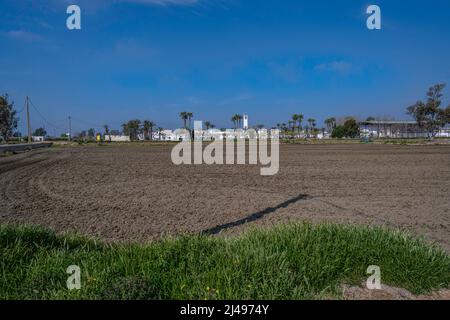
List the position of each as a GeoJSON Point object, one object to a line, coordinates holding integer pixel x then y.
{"type": "Point", "coordinates": [298, 261]}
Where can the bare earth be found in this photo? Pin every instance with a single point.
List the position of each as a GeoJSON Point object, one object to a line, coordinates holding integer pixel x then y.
{"type": "Point", "coordinates": [135, 193]}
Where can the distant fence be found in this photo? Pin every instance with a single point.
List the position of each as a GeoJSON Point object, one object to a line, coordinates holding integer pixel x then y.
{"type": "Point", "coordinates": [23, 146]}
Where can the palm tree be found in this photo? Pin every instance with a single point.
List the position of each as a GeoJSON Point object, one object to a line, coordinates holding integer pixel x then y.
{"type": "Point", "coordinates": [106, 127]}
{"type": "Point", "coordinates": [235, 119]}
{"type": "Point", "coordinates": [291, 125]}
{"type": "Point", "coordinates": [148, 127]}
{"type": "Point", "coordinates": [132, 128]}
{"type": "Point", "coordinates": [330, 123]}
{"type": "Point", "coordinates": [300, 120]}
{"type": "Point", "coordinates": [207, 125]}
{"type": "Point", "coordinates": [294, 121]}
{"type": "Point", "coordinates": [125, 129]}
{"type": "Point", "coordinates": [190, 115]}
{"type": "Point", "coordinates": [312, 124]}
{"type": "Point", "coordinates": [184, 117]}
{"type": "Point", "coordinates": [159, 132]}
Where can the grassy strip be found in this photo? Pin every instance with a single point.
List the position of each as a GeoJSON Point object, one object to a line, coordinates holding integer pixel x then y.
{"type": "Point", "coordinates": [298, 261]}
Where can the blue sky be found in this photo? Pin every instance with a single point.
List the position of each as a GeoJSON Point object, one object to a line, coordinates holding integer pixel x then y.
{"type": "Point", "coordinates": [151, 59]}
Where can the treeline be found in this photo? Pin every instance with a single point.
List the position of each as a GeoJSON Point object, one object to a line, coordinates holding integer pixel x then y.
{"type": "Point", "coordinates": [429, 114]}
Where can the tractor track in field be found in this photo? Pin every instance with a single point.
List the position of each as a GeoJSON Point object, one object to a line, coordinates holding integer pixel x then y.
{"type": "Point", "coordinates": [135, 193]}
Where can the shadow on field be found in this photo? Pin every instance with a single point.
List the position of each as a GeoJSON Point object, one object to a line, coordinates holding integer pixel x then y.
{"type": "Point", "coordinates": [254, 216]}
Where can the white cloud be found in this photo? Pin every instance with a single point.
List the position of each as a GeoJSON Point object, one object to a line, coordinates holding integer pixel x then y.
{"type": "Point", "coordinates": [165, 2]}
{"type": "Point", "coordinates": [335, 66]}
{"type": "Point", "coordinates": [23, 35]}
{"type": "Point", "coordinates": [290, 71]}
{"type": "Point", "coordinates": [235, 99]}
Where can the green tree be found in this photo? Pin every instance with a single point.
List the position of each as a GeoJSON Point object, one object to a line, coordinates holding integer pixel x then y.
{"type": "Point", "coordinates": [312, 125]}
{"type": "Point", "coordinates": [338, 132]}
{"type": "Point", "coordinates": [300, 120]}
{"type": "Point", "coordinates": [125, 129]}
{"type": "Point", "coordinates": [82, 135]}
{"type": "Point", "coordinates": [91, 133]}
{"type": "Point", "coordinates": [132, 128]}
{"type": "Point", "coordinates": [190, 115]}
{"type": "Point", "coordinates": [184, 118]}
{"type": "Point", "coordinates": [40, 132]}
{"type": "Point", "coordinates": [294, 121]}
{"type": "Point", "coordinates": [351, 128]}
{"type": "Point", "coordinates": [239, 120]}
{"type": "Point", "coordinates": [135, 128]}
{"type": "Point", "coordinates": [236, 119]}
{"type": "Point", "coordinates": [330, 123]}
{"type": "Point", "coordinates": [148, 129]}
{"type": "Point", "coordinates": [8, 117]}
{"type": "Point", "coordinates": [429, 115]}
{"type": "Point", "coordinates": [297, 118]}
{"type": "Point", "coordinates": [107, 133]}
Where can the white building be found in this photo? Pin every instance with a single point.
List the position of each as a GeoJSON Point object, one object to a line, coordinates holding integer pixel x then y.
{"type": "Point", "coordinates": [37, 138]}
{"type": "Point", "coordinates": [114, 138]}
{"type": "Point", "coordinates": [169, 135]}
{"type": "Point", "coordinates": [245, 118]}
{"type": "Point", "coordinates": [444, 132]}
{"type": "Point", "coordinates": [398, 129]}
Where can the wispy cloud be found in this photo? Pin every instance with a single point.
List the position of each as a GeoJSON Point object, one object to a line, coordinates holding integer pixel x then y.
{"type": "Point", "coordinates": [194, 100]}
{"type": "Point", "coordinates": [164, 2]}
{"type": "Point", "coordinates": [238, 98]}
{"type": "Point", "coordinates": [23, 35]}
{"type": "Point", "coordinates": [93, 6]}
{"type": "Point", "coordinates": [335, 66]}
{"type": "Point", "coordinates": [290, 71]}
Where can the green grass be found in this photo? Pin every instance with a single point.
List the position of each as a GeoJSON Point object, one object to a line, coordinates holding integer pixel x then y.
{"type": "Point", "coordinates": [7, 154]}
{"type": "Point", "coordinates": [297, 261]}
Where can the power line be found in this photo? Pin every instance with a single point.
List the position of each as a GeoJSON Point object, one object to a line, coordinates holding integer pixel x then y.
{"type": "Point", "coordinates": [40, 114]}
{"type": "Point", "coordinates": [54, 126]}
{"type": "Point", "coordinates": [23, 108]}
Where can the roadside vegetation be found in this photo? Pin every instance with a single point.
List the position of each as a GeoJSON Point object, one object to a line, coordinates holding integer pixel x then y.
{"type": "Point", "coordinates": [297, 261]}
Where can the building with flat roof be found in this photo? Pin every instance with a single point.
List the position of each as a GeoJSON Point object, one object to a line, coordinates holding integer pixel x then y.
{"type": "Point", "coordinates": [397, 129]}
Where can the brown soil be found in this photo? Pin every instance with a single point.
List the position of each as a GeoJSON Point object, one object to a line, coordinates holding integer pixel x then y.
{"type": "Point", "coordinates": [390, 293]}
{"type": "Point", "coordinates": [135, 193]}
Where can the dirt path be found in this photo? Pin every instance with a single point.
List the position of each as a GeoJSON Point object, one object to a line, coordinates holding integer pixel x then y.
{"type": "Point", "coordinates": [135, 193]}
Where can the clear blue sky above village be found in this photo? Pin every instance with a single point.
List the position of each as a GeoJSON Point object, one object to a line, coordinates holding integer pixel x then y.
{"type": "Point", "coordinates": [151, 59]}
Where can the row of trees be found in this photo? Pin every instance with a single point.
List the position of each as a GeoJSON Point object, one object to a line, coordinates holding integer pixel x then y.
{"type": "Point", "coordinates": [8, 118]}
{"type": "Point", "coordinates": [429, 115]}
{"type": "Point", "coordinates": [295, 125]}
{"type": "Point", "coordinates": [133, 128]}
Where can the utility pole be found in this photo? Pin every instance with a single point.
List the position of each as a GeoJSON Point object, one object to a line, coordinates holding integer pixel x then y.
{"type": "Point", "coordinates": [70, 128]}
{"type": "Point", "coordinates": [28, 120]}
